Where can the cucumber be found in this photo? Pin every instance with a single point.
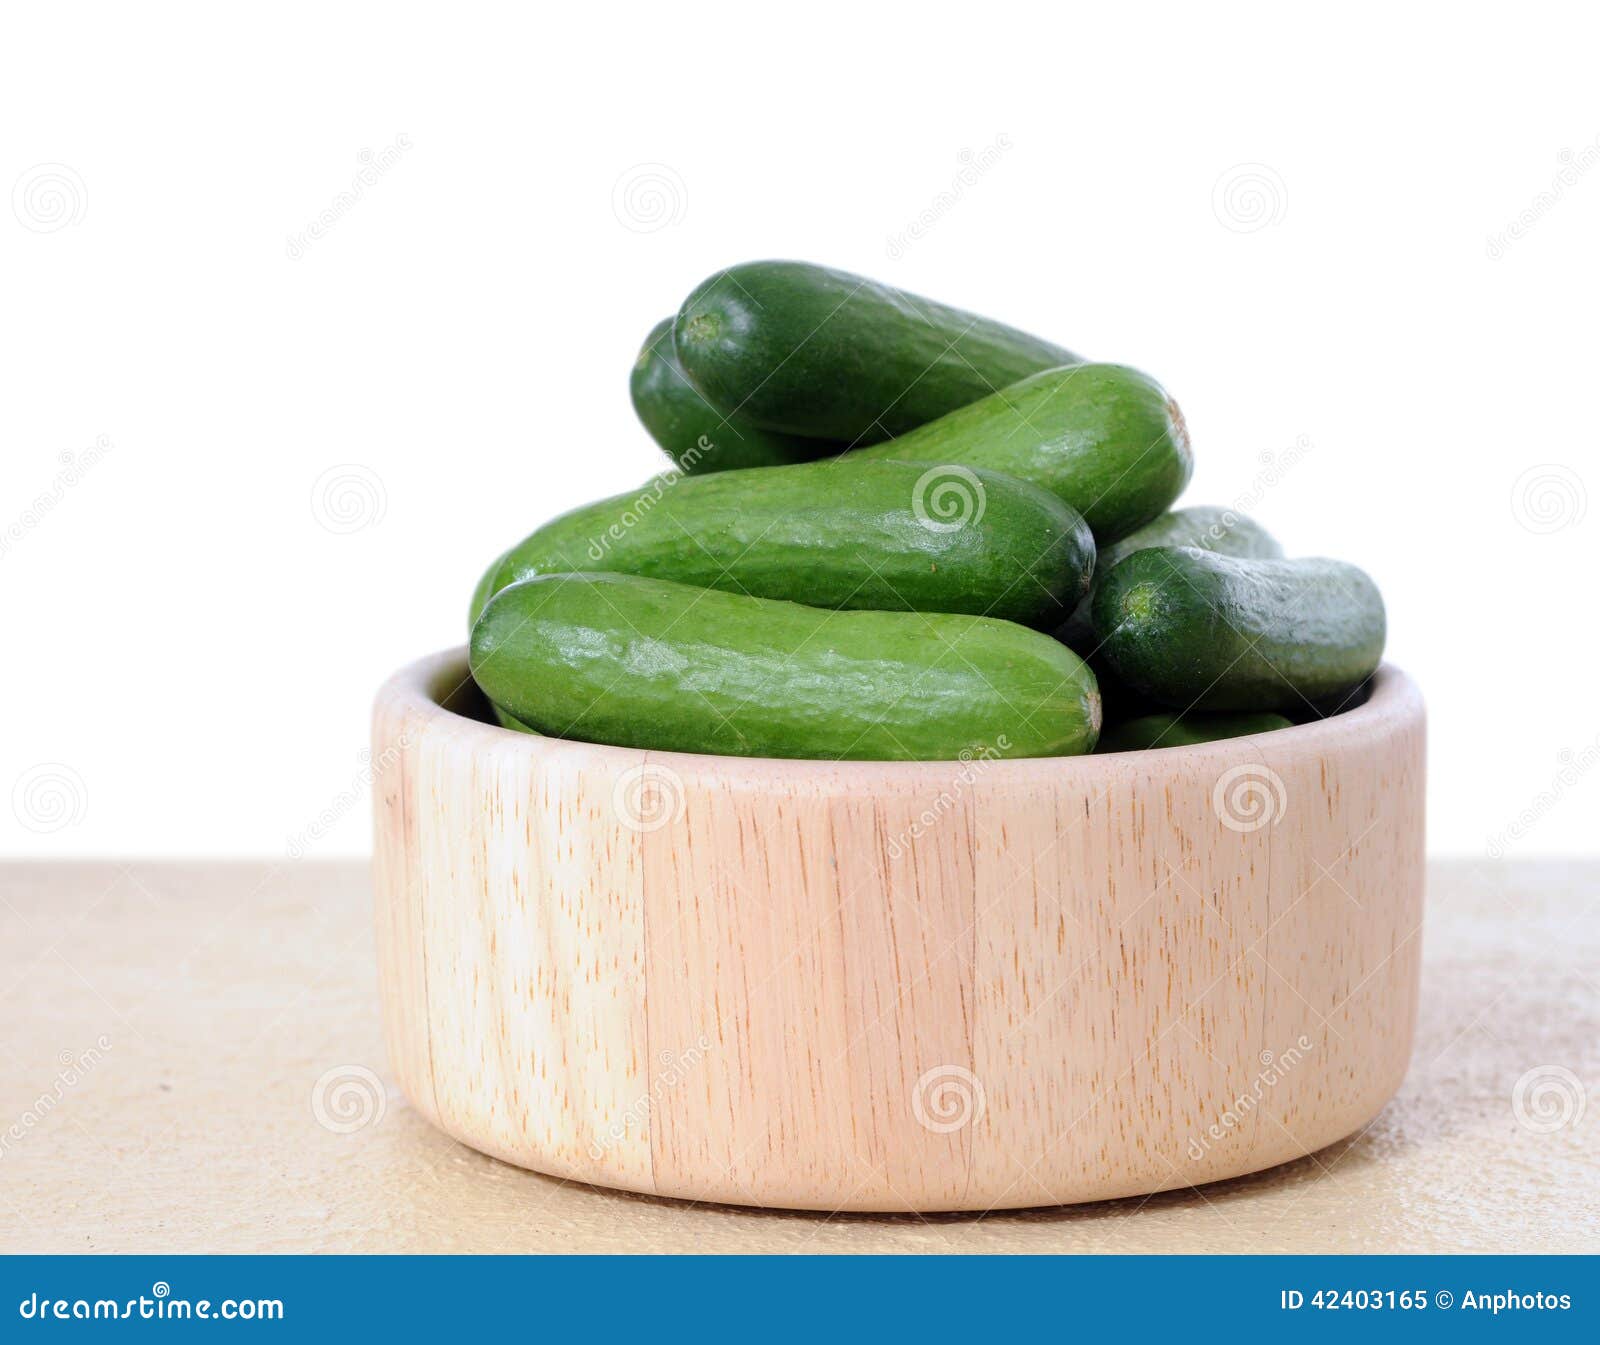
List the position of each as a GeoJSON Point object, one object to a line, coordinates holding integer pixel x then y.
{"type": "Point", "coordinates": [806, 350]}
{"type": "Point", "coordinates": [692, 432]}
{"type": "Point", "coordinates": [1118, 700]}
{"type": "Point", "coordinates": [1105, 438]}
{"type": "Point", "coordinates": [507, 721]}
{"type": "Point", "coordinates": [1194, 630]}
{"type": "Point", "coordinates": [1225, 531]}
{"type": "Point", "coordinates": [1175, 730]}
{"type": "Point", "coordinates": [888, 535]}
{"type": "Point", "coordinates": [1207, 526]}
{"type": "Point", "coordinates": [612, 658]}
{"type": "Point", "coordinates": [485, 589]}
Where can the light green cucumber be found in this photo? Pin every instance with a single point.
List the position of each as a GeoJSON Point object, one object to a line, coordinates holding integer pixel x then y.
{"type": "Point", "coordinates": [612, 658]}
{"type": "Point", "coordinates": [508, 721]}
{"type": "Point", "coordinates": [484, 590]}
{"type": "Point", "coordinates": [843, 533]}
{"type": "Point", "coordinates": [1104, 438]}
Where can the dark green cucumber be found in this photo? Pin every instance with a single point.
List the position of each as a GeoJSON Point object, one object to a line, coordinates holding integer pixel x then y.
{"type": "Point", "coordinates": [692, 432]}
{"type": "Point", "coordinates": [802, 349]}
{"type": "Point", "coordinates": [1225, 531]}
{"type": "Point", "coordinates": [612, 658]}
{"type": "Point", "coordinates": [1198, 631]}
{"type": "Point", "coordinates": [1105, 438]}
{"type": "Point", "coordinates": [1175, 730]}
{"type": "Point", "coordinates": [893, 536]}
{"type": "Point", "coordinates": [1207, 526]}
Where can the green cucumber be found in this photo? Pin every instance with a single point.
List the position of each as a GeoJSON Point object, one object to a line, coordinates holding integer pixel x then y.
{"type": "Point", "coordinates": [802, 349]}
{"type": "Point", "coordinates": [485, 589]}
{"type": "Point", "coordinates": [612, 658]}
{"type": "Point", "coordinates": [1207, 526]}
{"type": "Point", "coordinates": [1105, 438]}
{"type": "Point", "coordinates": [893, 536]}
{"type": "Point", "coordinates": [1175, 730]}
{"type": "Point", "coordinates": [1225, 531]}
{"type": "Point", "coordinates": [692, 432]}
{"type": "Point", "coordinates": [1198, 631]}
{"type": "Point", "coordinates": [509, 721]}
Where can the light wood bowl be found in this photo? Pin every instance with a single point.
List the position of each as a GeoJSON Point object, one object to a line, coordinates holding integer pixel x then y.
{"type": "Point", "coordinates": [896, 986]}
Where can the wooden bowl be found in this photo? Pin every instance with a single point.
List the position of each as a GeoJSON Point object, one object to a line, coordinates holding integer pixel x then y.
{"type": "Point", "coordinates": [896, 986]}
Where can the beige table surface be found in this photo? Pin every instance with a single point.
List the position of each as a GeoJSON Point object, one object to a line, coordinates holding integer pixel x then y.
{"type": "Point", "coordinates": [164, 1029]}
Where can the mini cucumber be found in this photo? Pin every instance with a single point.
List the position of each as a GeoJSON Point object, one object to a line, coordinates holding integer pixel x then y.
{"type": "Point", "coordinates": [803, 349]}
{"type": "Point", "coordinates": [1175, 730]}
{"type": "Point", "coordinates": [484, 590]}
{"type": "Point", "coordinates": [692, 432]}
{"type": "Point", "coordinates": [843, 533]}
{"type": "Point", "coordinates": [1198, 631]}
{"type": "Point", "coordinates": [508, 721]}
{"type": "Point", "coordinates": [612, 658]}
{"type": "Point", "coordinates": [1225, 531]}
{"type": "Point", "coordinates": [1104, 438]}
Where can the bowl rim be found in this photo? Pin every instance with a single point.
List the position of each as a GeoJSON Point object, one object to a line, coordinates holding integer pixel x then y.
{"type": "Point", "coordinates": [1393, 701]}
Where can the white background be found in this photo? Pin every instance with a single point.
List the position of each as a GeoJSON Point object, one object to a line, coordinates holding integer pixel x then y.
{"type": "Point", "coordinates": [1296, 219]}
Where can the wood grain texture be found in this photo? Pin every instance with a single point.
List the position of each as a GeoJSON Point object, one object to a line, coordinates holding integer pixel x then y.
{"type": "Point", "coordinates": [896, 986]}
{"type": "Point", "coordinates": [232, 992]}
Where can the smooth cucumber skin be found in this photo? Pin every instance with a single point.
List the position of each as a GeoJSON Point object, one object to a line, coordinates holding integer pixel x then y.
{"type": "Point", "coordinates": [1207, 526]}
{"type": "Point", "coordinates": [1169, 729]}
{"type": "Point", "coordinates": [508, 721]}
{"type": "Point", "coordinates": [806, 350]}
{"type": "Point", "coordinates": [1104, 438]}
{"type": "Point", "coordinates": [611, 658]}
{"type": "Point", "coordinates": [1225, 531]}
{"type": "Point", "coordinates": [887, 535]}
{"type": "Point", "coordinates": [484, 590]}
{"type": "Point", "coordinates": [1198, 631]}
{"type": "Point", "coordinates": [691, 431]}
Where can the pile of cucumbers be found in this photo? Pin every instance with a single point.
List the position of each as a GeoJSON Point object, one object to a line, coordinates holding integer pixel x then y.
{"type": "Point", "coordinates": [898, 531]}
